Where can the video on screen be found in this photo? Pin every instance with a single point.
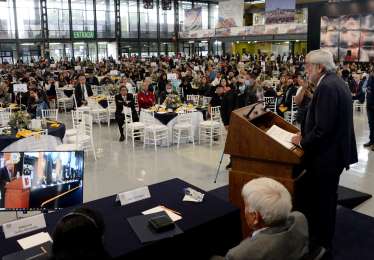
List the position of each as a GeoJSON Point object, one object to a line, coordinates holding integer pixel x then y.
{"type": "Point", "coordinates": [41, 180]}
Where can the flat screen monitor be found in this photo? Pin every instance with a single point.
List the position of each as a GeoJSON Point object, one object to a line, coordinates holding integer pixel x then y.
{"type": "Point", "coordinates": [41, 180]}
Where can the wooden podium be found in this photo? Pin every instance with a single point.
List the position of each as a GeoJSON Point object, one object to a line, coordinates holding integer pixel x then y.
{"type": "Point", "coordinates": [16, 196]}
{"type": "Point", "coordinates": [255, 154]}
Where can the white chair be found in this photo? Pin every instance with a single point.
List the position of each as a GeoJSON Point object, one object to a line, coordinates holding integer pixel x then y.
{"type": "Point", "coordinates": [51, 114]}
{"type": "Point", "coordinates": [206, 101]}
{"type": "Point", "coordinates": [194, 99]}
{"type": "Point", "coordinates": [133, 129]}
{"type": "Point", "coordinates": [183, 126]}
{"type": "Point", "coordinates": [136, 103]}
{"type": "Point", "coordinates": [83, 140]}
{"type": "Point", "coordinates": [290, 116]}
{"type": "Point", "coordinates": [211, 129]}
{"type": "Point", "coordinates": [357, 106]}
{"type": "Point", "coordinates": [94, 89]}
{"type": "Point", "coordinates": [76, 116]}
{"type": "Point", "coordinates": [271, 103]}
{"type": "Point", "coordinates": [98, 113]}
{"type": "Point", "coordinates": [64, 102]}
{"type": "Point", "coordinates": [111, 108]}
{"type": "Point", "coordinates": [153, 132]}
{"type": "Point", "coordinates": [4, 118]}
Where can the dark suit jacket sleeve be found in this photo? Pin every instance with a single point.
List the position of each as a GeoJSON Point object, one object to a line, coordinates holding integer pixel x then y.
{"type": "Point", "coordinates": [326, 102]}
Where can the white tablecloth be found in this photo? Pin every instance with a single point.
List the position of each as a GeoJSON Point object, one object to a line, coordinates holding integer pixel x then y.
{"type": "Point", "coordinates": [197, 118]}
{"type": "Point", "coordinates": [34, 143]}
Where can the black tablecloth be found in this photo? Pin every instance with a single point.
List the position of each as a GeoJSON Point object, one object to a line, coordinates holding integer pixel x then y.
{"type": "Point", "coordinates": [6, 140]}
{"type": "Point", "coordinates": [165, 118]}
{"type": "Point", "coordinates": [68, 93]}
{"type": "Point", "coordinates": [210, 227]}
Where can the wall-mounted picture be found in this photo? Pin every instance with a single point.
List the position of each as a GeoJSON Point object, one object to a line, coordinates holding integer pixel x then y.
{"type": "Point", "coordinates": [367, 22]}
{"type": "Point", "coordinates": [330, 23]}
{"type": "Point", "coordinates": [333, 50]}
{"type": "Point", "coordinates": [350, 22]}
{"type": "Point", "coordinates": [367, 38]}
{"type": "Point", "coordinates": [348, 54]}
{"type": "Point", "coordinates": [367, 54]}
{"type": "Point", "coordinates": [349, 39]}
{"type": "Point", "coordinates": [329, 38]}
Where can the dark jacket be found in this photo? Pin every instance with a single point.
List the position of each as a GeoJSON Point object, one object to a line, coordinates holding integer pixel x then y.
{"type": "Point", "coordinates": [229, 104]}
{"type": "Point", "coordinates": [79, 94]}
{"type": "Point", "coordinates": [328, 136]}
{"type": "Point", "coordinates": [370, 93]}
{"type": "Point", "coordinates": [129, 102]}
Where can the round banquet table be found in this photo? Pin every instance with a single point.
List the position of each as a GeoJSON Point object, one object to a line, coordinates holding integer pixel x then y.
{"type": "Point", "coordinates": [170, 119]}
{"type": "Point", "coordinates": [6, 140]}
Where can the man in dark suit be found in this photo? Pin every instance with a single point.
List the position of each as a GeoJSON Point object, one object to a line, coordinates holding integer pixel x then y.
{"type": "Point", "coordinates": [329, 144]}
{"type": "Point", "coordinates": [370, 109]}
{"type": "Point", "coordinates": [6, 176]}
{"type": "Point", "coordinates": [82, 91]}
{"type": "Point", "coordinates": [124, 99]}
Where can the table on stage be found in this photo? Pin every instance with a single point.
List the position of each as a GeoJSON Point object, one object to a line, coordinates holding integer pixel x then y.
{"type": "Point", "coordinates": [210, 227]}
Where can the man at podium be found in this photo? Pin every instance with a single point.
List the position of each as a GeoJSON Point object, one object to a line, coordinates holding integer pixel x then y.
{"type": "Point", "coordinates": [5, 176]}
{"type": "Point", "coordinates": [329, 144]}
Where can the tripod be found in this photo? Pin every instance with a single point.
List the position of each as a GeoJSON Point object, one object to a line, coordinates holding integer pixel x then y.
{"type": "Point", "coordinates": [219, 166]}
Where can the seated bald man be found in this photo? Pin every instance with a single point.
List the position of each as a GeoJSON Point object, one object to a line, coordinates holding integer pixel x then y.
{"type": "Point", "coordinates": [277, 233]}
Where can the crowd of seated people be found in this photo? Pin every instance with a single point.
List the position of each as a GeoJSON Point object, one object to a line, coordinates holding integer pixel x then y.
{"type": "Point", "coordinates": [244, 80]}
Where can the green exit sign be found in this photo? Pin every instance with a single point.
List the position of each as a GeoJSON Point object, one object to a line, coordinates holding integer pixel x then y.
{"type": "Point", "coordinates": [83, 35]}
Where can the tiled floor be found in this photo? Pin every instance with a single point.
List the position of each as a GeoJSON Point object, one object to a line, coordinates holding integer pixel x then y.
{"type": "Point", "coordinates": [120, 168]}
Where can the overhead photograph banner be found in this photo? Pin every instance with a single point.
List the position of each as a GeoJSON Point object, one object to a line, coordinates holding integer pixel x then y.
{"type": "Point", "coordinates": [279, 11]}
{"type": "Point", "coordinates": [193, 19]}
{"type": "Point", "coordinates": [230, 13]}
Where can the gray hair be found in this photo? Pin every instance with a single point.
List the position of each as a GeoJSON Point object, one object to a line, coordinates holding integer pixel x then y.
{"type": "Point", "coordinates": [269, 198]}
{"type": "Point", "coordinates": [321, 57]}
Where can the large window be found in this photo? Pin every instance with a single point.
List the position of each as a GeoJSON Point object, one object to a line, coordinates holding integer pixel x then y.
{"type": "Point", "coordinates": [82, 15]}
{"type": "Point", "coordinates": [29, 19]}
{"type": "Point", "coordinates": [60, 50]}
{"type": "Point", "coordinates": [148, 21]}
{"type": "Point", "coordinates": [105, 17]}
{"type": "Point", "coordinates": [58, 18]}
{"type": "Point", "coordinates": [167, 22]}
{"type": "Point", "coordinates": [7, 26]}
{"type": "Point", "coordinates": [213, 15]}
{"type": "Point", "coordinates": [129, 19]}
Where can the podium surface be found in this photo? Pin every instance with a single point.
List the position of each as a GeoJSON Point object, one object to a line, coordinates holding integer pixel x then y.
{"type": "Point", "coordinates": [16, 196]}
{"type": "Point", "coordinates": [255, 154]}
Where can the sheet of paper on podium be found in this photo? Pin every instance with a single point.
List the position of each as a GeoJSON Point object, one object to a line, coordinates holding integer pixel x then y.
{"type": "Point", "coordinates": [281, 136]}
{"type": "Point", "coordinates": [172, 214]}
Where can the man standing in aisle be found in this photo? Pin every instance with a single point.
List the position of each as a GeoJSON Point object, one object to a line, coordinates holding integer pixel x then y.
{"type": "Point", "coordinates": [329, 144]}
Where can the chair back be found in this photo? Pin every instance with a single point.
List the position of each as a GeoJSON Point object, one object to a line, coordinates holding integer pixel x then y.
{"type": "Point", "coordinates": [4, 118]}
{"type": "Point", "coordinates": [270, 103]}
{"type": "Point", "coordinates": [215, 113]}
{"type": "Point", "coordinates": [51, 114]}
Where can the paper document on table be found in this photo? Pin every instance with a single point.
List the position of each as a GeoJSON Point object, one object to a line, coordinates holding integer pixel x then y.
{"type": "Point", "coordinates": [281, 136]}
{"type": "Point", "coordinates": [172, 214]}
{"type": "Point", "coordinates": [34, 240]}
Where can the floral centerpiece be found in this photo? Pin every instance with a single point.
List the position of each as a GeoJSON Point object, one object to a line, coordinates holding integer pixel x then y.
{"type": "Point", "coordinates": [112, 89]}
{"type": "Point", "coordinates": [172, 101]}
{"type": "Point", "coordinates": [19, 120]}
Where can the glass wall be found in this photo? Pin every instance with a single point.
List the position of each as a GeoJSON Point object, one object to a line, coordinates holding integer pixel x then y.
{"type": "Point", "coordinates": [80, 50]}
{"type": "Point", "coordinates": [82, 15]}
{"type": "Point", "coordinates": [213, 15]}
{"type": "Point", "coordinates": [60, 50]}
{"type": "Point", "coordinates": [129, 49]}
{"type": "Point", "coordinates": [148, 21]}
{"type": "Point", "coordinates": [105, 18]}
{"type": "Point", "coordinates": [7, 25]}
{"type": "Point", "coordinates": [167, 18]}
{"type": "Point", "coordinates": [58, 18]}
{"type": "Point", "coordinates": [29, 52]}
{"type": "Point", "coordinates": [129, 19]}
{"type": "Point", "coordinates": [8, 53]}
{"type": "Point", "coordinates": [29, 19]}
